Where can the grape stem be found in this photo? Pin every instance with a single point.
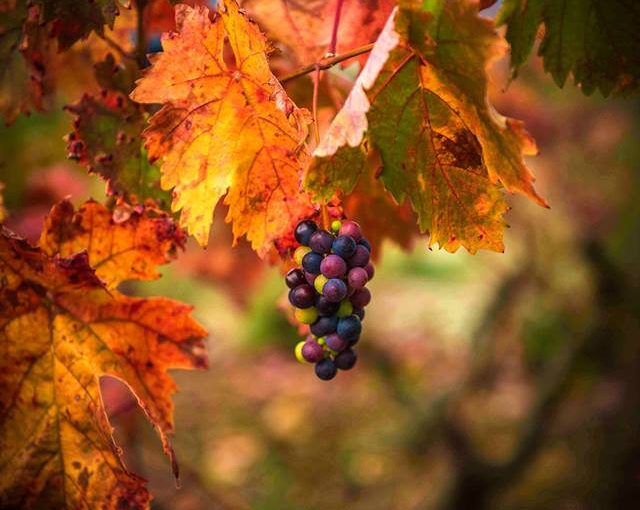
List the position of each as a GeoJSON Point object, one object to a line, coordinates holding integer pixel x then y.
{"type": "Point", "coordinates": [327, 63]}
{"type": "Point", "coordinates": [334, 33]}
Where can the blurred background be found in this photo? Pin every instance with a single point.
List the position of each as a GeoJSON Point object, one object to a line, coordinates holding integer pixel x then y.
{"type": "Point", "coordinates": [498, 381]}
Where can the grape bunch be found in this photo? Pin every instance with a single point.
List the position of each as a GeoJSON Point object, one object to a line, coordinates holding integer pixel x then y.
{"type": "Point", "coordinates": [328, 293]}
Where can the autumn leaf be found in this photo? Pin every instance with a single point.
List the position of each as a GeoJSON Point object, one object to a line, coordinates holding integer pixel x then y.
{"type": "Point", "coordinates": [107, 136]}
{"type": "Point", "coordinates": [225, 129]}
{"type": "Point", "coordinates": [64, 325]}
{"type": "Point", "coordinates": [72, 20]}
{"type": "Point", "coordinates": [594, 41]}
{"type": "Point", "coordinates": [25, 83]}
{"type": "Point", "coordinates": [306, 27]}
{"type": "Point", "coordinates": [421, 104]}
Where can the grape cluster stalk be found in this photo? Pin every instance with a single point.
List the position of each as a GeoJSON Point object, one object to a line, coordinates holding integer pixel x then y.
{"type": "Point", "coordinates": [328, 292]}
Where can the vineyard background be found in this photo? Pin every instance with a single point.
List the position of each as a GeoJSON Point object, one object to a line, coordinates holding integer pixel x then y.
{"type": "Point", "coordinates": [495, 380]}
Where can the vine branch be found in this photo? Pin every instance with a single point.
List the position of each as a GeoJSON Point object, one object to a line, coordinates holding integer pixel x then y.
{"type": "Point", "coordinates": [141, 37]}
{"type": "Point", "coordinates": [327, 63]}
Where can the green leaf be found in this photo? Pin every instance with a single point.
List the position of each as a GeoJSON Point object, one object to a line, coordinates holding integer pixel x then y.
{"type": "Point", "coordinates": [594, 41]}
{"type": "Point", "coordinates": [421, 104]}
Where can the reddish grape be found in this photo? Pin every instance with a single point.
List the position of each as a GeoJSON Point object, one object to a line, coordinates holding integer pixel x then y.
{"type": "Point", "coordinates": [361, 298]}
{"type": "Point", "coordinates": [333, 266]}
{"type": "Point", "coordinates": [312, 351]}
{"type": "Point", "coordinates": [294, 278]}
{"type": "Point", "coordinates": [360, 258]}
{"type": "Point", "coordinates": [321, 242]}
{"type": "Point", "coordinates": [351, 229]}
{"type": "Point", "coordinates": [334, 290]}
{"type": "Point", "coordinates": [336, 343]}
{"type": "Point", "coordinates": [357, 278]}
{"type": "Point", "coordinates": [303, 296]}
{"type": "Point", "coordinates": [370, 271]}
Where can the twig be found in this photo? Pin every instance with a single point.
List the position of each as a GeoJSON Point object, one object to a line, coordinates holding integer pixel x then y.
{"type": "Point", "coordinates": [334, 33]}
{"type": "Point", "coordinates": [327, 63]}
{"type": "Point", "coordinates": [314, 107]}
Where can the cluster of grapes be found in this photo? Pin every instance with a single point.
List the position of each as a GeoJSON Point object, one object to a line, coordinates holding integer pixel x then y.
{"type": "Point", "coordinates": [329, 293]}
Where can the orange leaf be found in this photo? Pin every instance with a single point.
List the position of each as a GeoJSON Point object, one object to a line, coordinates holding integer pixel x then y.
{"type": "Point", "coordinates": [225, 128]}
{"type": "Point", "coordinates": [61, 330]}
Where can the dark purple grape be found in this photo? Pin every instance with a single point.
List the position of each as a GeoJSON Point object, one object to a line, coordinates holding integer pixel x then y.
{"type": "Point", "coordinates": [336, 343]}
{"type": "Point", "coordinates": [333, 266]}
{"type": "Point", "coordinates": [344, 246]}
{"type": "Point", "coordinates": [324, 326]}
{"type": "Point", "coordinates": [321, 242]}
{"type": "Point", "coordinates": [370, 270]}
{"type": "Point", "coordinates": [361, 298]}
{"type": "Point", "coordinates": [346, 359]}
{"type": "Point", "coordinates": [311, 262]}
{"type": "Point", "coordinates": [351, 229]}
{"type": "Point", "coordinates": [294, 278]}
{"type": "Point", "coordinates": [360, 258]}
{"type": "Point", "coordinates": [325, 307]}
{"type": "Point", "coordinates": [312, 351]}
{"type": "Point", "coordinates": [365, 242]}
{"type": "Point", "coordinates": [326, 369]}
{"type": "Point", "coordinates": [303, 231]}
{"type": "Point", "coordinates": [357, 278]}
{"type": "Point", "coordinates": [359, 312]}
{"type": "Point", "coordinates": [335, 290]}
{"type": "Point", "coordinates": [303, 296]}
{"type": "Point", "coordinates": [310, 278]}
{"type": "Point", "coordinates": [349, 328]}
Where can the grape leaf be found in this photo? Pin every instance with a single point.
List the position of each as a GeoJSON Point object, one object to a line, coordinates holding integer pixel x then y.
{"type": "Point", "coordinates": [595, 41]}
{"type": "Point", "coordinates": [225, 128]}
{"type": "Point", "coordinates": [72, 20]}
{"type": "Point", "coordinates": [63, 325]}
{"type": "Point", "coordinates": [107, 136]}
{"type": "Point", "coordinates": [306, 27]}
{"type": "Point", "coordinates": [421, 104]}
{"type": "Point", "coordinates": [25, 83]}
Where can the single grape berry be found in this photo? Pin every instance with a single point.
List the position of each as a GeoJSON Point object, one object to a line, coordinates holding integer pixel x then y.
{"type": "Point", "coordinates": [325, 307]}
{"type": "Point", "coordinates": [351, 229]}
{"type": "Point", "coordinates": [346, 308]}
{"type": "Point", "coordinates": [324, 326]}
{"type": "Point", "coordinates": [333, 266]}
{"type": "Point", "coordinates": [311, 262]}
{"type": "Point", "coordinates": [365, 242]}
{"type": "Point", "coordinates": [298, 352]}
{"type": "Point", "coordinates": [299, 254]}
{"type": "Point", "coordinates": [304, 230]}
{"type": "Point", "coordinates": [361, 298]}
{"type": "Point", "coordinates": [344, 246]}
{"type": "Point", "coordinates": [303, 296]}
{"type": "Point", "coordinates": [319, 282]}
{"type": "Point", "coordinates": [336, 225]}
{"type": "Point", "coordinates": [312, 351]}
{"type": "Point", "coordinates": [346, 359]}
{"type": "Point", "coordinates": [321, 242]}
{"type": "Point", "coordinates": [336, 342]}
{"type": "Point", "coordinates": [294, 278]}
{"type": "Point", "coordinates": [310, 278]}
{"type": "Point", "coordinates": [335, 290]}
{"type": "Point", "coordinates": [326, 369]}
{"type": "Point", "coordinates": [349, 328]}
{"type": "Point", "coordinates": [360, 258]}
{"type": "Point", "coordinates": [306, 315]}
{"type": "Point", "coordinates": [357, 278]}
{"type": "Point", "coordinates": [370, 271]}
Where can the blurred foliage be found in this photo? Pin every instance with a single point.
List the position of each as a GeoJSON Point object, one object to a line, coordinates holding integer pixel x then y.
{"type": "Point", "coordinates": [503, 381]}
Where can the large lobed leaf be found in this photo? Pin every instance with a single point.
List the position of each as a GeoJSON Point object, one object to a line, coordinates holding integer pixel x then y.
{"type": "Point", "coordinates": [63, 325]}
{"type": "Point", "coordinates": [597, 42]}
{"type": "Point", "coordinates": [421, 104]}
{"type": "Point", "coordinates": [225, 128]}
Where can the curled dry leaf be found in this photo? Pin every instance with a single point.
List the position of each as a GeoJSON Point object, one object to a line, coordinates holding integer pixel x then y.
{"type": "Point", "coordinates": [63, 325]}
{"type": "Point", "coordinates": [226, 127]}
{"type": "Point", "coordinates": [421, 104]}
